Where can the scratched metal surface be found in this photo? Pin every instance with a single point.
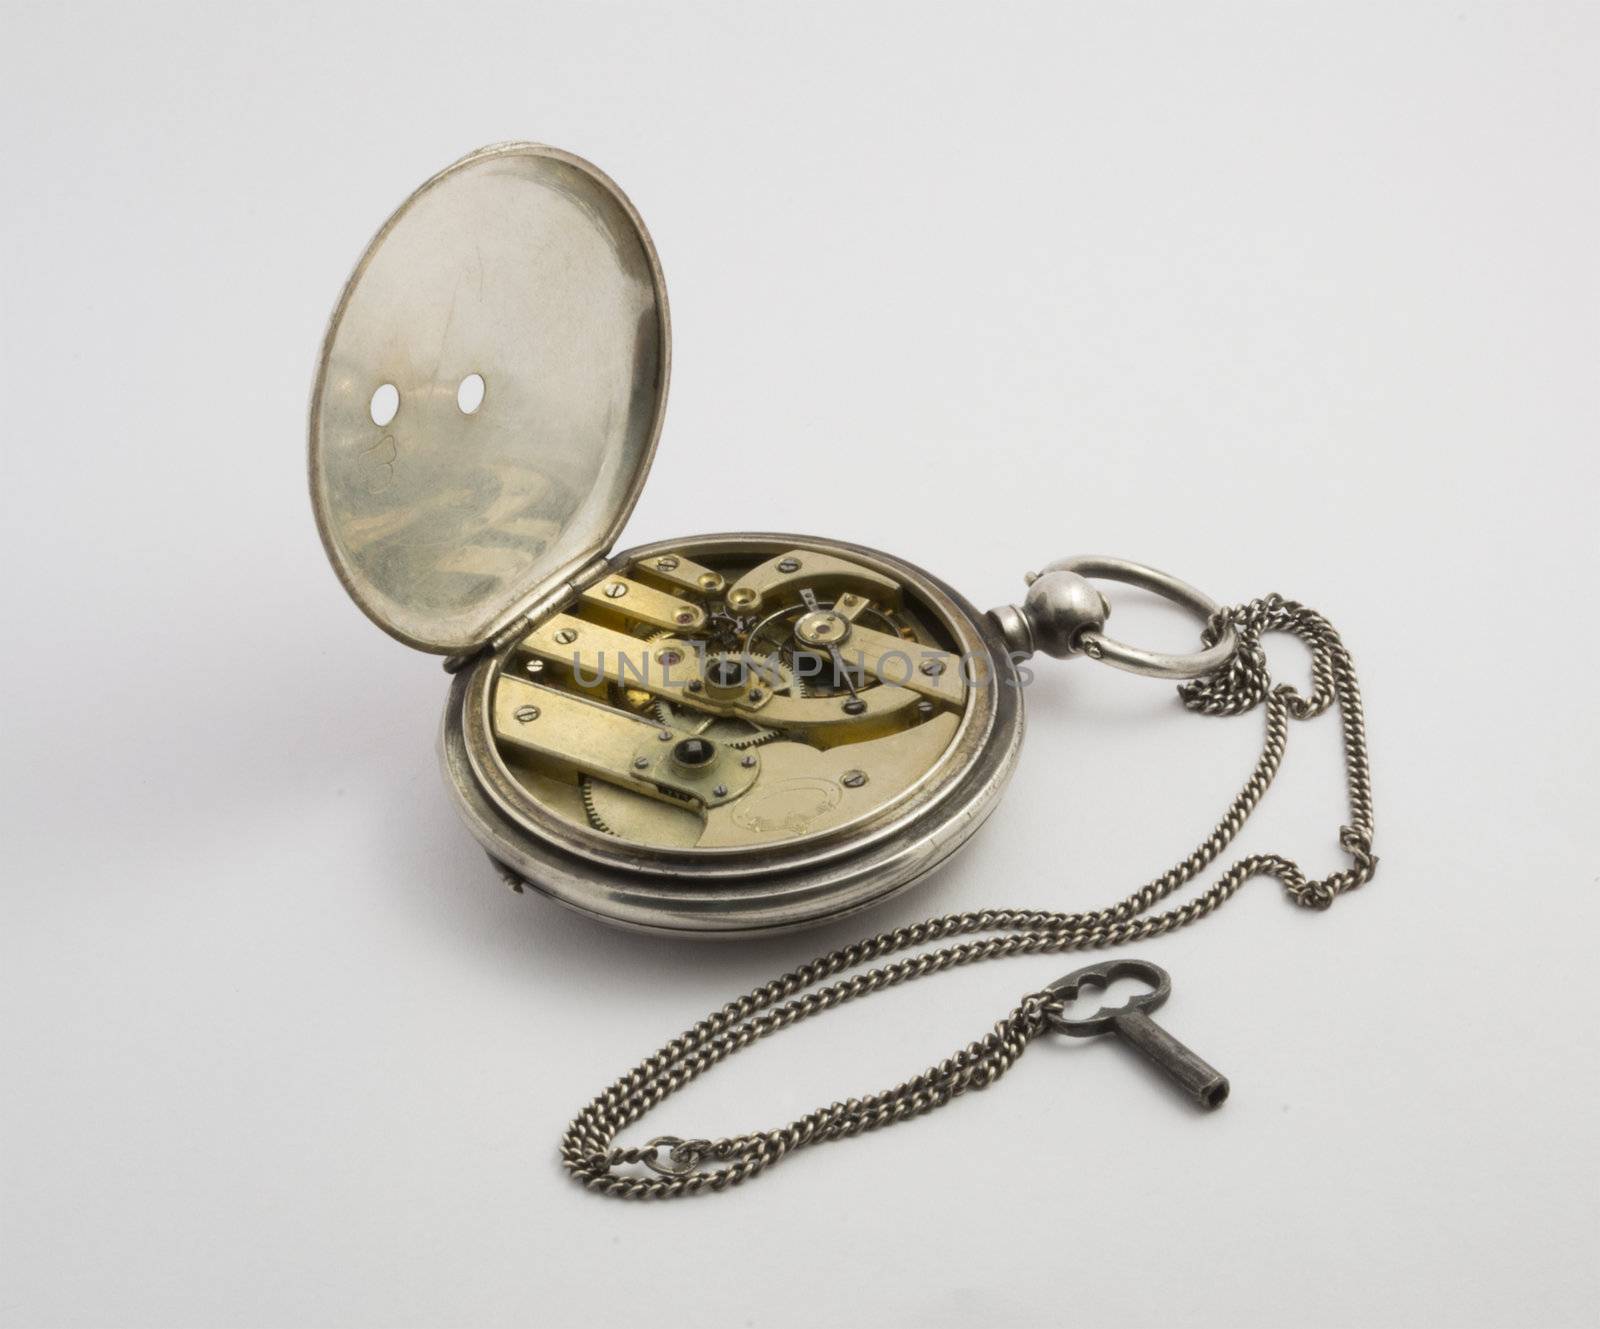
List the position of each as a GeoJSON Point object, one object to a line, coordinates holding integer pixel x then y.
{"type": "Point", "coordinates": [526, 267]}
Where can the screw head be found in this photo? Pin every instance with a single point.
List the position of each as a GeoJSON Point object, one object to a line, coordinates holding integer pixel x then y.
{"type": "Point", "coordinates": [853, 779]}
{"type": "Point", "coordinates": [684, 617]}
{"type": "Point", "coordinates": [789, 565]}
{"type": "Point", "coordinates": [534, 666]}
{"type": "Point", "coordinates": [721, 791]}
{"type": "Point", "coordinates": [756, 694]}
{"type": "Point", "coordinates": [665, 735]}
{"type": "Point", "coordinates": [527, 714]}
{"type": "Point", "coordinates": [695, 685]}
{"type": "Point", "coordinates": [616, 590]}
{"type": "Point", "coordinates": [566, 636]}
{"type": "Point", "coordinates": [747, 761]}
{"type": "Point", "coordinates": [932, 668]}
{"type": "Point", "coordinates": [854, 706]}
{"type": "Point", "coordinates": [924, 709]}
{"type": "Point", "coordinates": [641, 763]}
{"type": "Point", "coordinates": [667, 564]}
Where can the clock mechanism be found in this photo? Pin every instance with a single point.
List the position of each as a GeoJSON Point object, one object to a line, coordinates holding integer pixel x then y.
{"type": "Point", "coordinates": [716, 735]}
{"type": "Point", "coordinates": [722, 699]}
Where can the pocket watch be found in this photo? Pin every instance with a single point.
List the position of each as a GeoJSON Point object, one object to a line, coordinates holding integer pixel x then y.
{"type": "Point", "coordinates": [722, 734]}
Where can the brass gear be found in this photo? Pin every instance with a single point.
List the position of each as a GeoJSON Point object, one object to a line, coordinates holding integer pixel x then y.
{"type": "Point", "coordinates": [586, 785]}
{"type": "Point", "coordinates": [777, 628]}
{"type": "Point", "coordinates": [728, 730]}
{"type": "Point", "coordinates": [630, 815]}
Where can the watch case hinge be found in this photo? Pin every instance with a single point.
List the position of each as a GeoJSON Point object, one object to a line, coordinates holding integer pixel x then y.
{"type": "Point", "coordinates": [523, 619]}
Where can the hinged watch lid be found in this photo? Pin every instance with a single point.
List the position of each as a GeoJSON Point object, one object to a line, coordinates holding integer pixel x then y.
{"type": "Point", "coordinates": [489, 396]}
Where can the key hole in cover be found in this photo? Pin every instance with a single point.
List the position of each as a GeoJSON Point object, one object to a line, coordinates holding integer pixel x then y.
{"type": "Point", "coordinates": [1091, 1001]}
{"type": "Point", "coordinates": [385, 404]}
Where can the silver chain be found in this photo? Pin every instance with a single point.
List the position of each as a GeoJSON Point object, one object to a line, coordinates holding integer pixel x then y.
{"type": "Point", "coordinates": [589, 1147]}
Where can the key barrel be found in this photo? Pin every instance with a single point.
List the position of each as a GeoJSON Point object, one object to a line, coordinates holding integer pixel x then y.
{"type": "Point", "coordinates": [1199, 1079]}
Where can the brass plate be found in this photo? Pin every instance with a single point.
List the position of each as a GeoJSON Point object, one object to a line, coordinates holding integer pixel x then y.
{"type": "Point", "coordinates": [798, 739]}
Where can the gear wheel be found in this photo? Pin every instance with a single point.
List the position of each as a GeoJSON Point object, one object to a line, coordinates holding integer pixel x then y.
{"type": "Point", "coordinates": [772, 672]}
{"type": "Point", "coordinates": [773, 639]}
{"type": "Point", "coordinates": [729, 730]}
{"type": "Point", "coordinates": [586, 792]}
{"type": "Point", "coordinates": [630, 815]}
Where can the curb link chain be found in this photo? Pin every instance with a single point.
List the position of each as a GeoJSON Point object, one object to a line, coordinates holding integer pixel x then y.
{"type": "Point", "coordinates": [588, 1148]}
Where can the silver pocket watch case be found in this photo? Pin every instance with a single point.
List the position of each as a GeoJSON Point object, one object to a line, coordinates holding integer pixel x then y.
{"type": "Point", "coordinates": [720, 735]}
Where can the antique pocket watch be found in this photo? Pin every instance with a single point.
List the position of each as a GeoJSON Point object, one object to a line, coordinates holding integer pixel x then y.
{"type": "Point", "coordinates": [716, 735]}
{"type": "Point", "coordinates": [722, 735]}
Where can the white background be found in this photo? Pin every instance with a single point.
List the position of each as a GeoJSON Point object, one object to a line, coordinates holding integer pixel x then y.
{"type": "Point", "coordinates": [1280, 297]}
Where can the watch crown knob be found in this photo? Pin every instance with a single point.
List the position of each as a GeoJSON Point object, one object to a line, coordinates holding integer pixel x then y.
{"type": "Point", "coordinates": [1060, 606]}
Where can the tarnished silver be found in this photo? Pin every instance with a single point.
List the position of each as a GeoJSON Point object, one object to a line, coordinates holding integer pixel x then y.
{"type": "Point", "coordinates": [459, 525]}
{"type": "Point", "coordinates": [527, 267]}
{"type": "Point", "coordinates": [1060, 607]}
{"type": "Point", "coordinates": [1060, 617]}
{"type": "Point", "coordinates": [679, 1159]}
{"type": "Point", "coordinates": [460, 521]}
{"type": "Point", "coordinates": [486, 409]}
{"type": "Point", "coordinates": [590, 1150]}
{"type": "Point", "coordinates": [1131, 1022]}
{"type": "Point", "coordinates": [738, 892]}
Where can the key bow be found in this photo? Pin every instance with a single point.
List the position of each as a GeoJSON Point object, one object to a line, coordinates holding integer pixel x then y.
{"type": "Point", "coordinates": [1103, 975]}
